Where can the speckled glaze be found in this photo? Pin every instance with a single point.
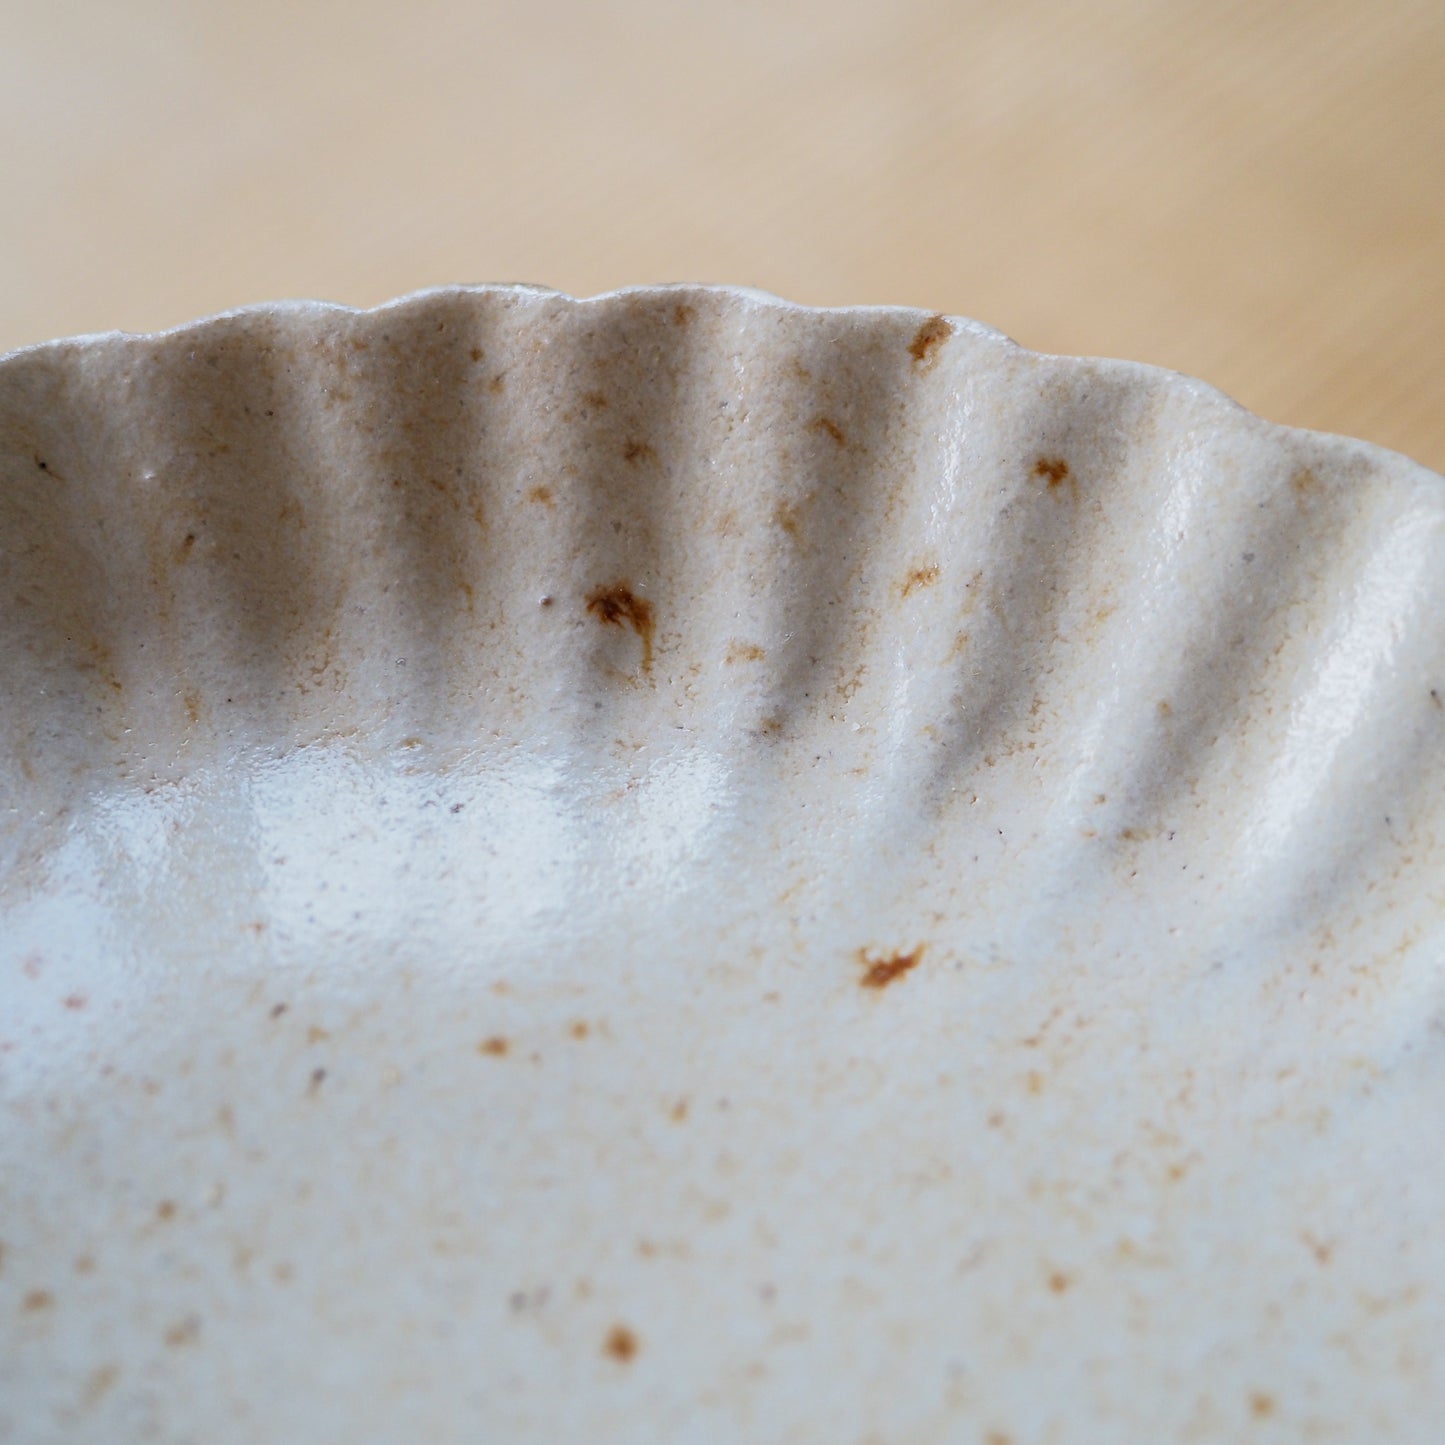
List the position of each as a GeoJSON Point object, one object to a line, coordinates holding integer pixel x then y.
{"type": "Point", "coordinates": [679, 868]}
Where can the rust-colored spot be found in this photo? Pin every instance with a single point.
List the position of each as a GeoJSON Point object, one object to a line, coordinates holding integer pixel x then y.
{"type": "Point", "coordinates": [283, 1273]}
{"type": "Point", "coordinates": [996, 1120]}
{"type": "Point", "coordinates": [827, 424]}
{"type": "Point", "coordinates": [744, 652]}
{"type": "Point", "coordinates": [635, 451]}
{"type": "Point", "coordinates": [1035, 1082]}
{"type": "Point", "coordinates": [192, 703]}
{"type": "Point", "coordinates": [620, 606]}
{"type": "Point", "coordinates": [1134, 835]}
{"type": "Point", "coordinates": [595, 399]}
{"type": "Point", "coordinates": [621, 1344]}
{"type": "Point", "coordinates": [316, 1034]}
{"type": "Point", "coordinates": [84, 1264]}
{"type": "Point", "coordinates": [497, 383]}
{"type": "Point", "coordinates": [1166, 710]}
{"type": "Point", "coordinates": [476, 353]}
{"type": "Point", "coordinates": [580, 1029]}
{"type": "Point", "coordinates": [1305, 483]}
{"type": "Point", "coordinates": [98, 1382]}
{"type": "Point", "coordinates": [37, 1300]}
{"type": "Point", "coordinates": [75, 1001]}
{"type": "Point", "coordinates": [1321, 1249]}
{"type": "Point", "coordinates": [541, 495]}
{"type": "Point", "coordinates": [188, 543]}
{"type": "Point", "coordinates": [788, 516]}
{"type": "Point", "coordinates": [879, 972]}
{"type": "Point", "coordinates": [496, 1046]}
{"type": "Point", "coordinates": [998, 1437]}
{"type": "Point", "coordinates": [184, 1332]}
{"type": "Point", "coordinates": [678, 1112]}
{"type": "Point", "coordinates": [683, 314]}
{"type": "Point", "coordinates": [1059, 1282]}
{"type": "Point", "coordinates": [1261, 1405]}
{"type": "Point", "coordinates": [926, 341]}
{"type": "Point", "coordinates": [920, 577]}
{"type": "Point", "coordinates": [166, 1209]}
{"type": "Point", "coordinates": [1055, 470]}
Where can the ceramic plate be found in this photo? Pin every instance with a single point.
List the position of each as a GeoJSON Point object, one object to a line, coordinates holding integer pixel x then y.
{"type": "Point", "coordinates": [680, 868]}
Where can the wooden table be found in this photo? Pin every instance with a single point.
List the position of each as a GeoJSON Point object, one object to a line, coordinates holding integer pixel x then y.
{"type": "Point", "coordinates": [1254, 193]}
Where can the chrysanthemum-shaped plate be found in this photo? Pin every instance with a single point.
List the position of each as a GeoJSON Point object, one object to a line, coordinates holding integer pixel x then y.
{"type": "Point", "coordinates": [680, 868]}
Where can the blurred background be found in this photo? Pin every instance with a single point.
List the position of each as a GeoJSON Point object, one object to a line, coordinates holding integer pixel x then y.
{"type": "Point", "coordinates": [1250, 192]}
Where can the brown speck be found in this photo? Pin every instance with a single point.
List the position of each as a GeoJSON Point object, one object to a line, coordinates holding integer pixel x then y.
{"type": "Point", "coordinates": [184, 1332]}
{"type": "Point", "coordinates": [192, 704]}
{"type": "Point", "coordinates": [494, 1047]}
{"type": "Point", "coordinates": [1054, 469]}
{"type": "Point", "coordinates": [1321, 1249]}
{"type": "Point", "coordinates": [188, 543]}
{"type": "Point", "coordinates": [881, 971]}
{"type": "Point", "coordinates": [33, 966]}
{"type": "Point", "coordinates": [257, 927]}
{"type": "Point", "coordinates": [744, 652]}
{"type": "Point", "coordinates": [920, 577]}
{"type": "Point", "coordinates": [1304, 482]}
{"type": "Point", "coordinates": [594, 399]}
{"type": "Point", "coordinates": [541, 495]}
{"type": "Point", "coordinates": [619, 606]}
{"type": "Point", "coordinates": [1261, 1405]}
{"type": "Point", "coordinates": [580, 1029]}
{"type": "Point", "coordinates": [635, 451]}
{"type": "Point", "coordinates": [318, 1077]}
{"type": "Point", "coordinates": [926, 341]}
{"type": "Point", "coordinates": [37, 1300]}
{"type": "Point", "coordinates": [277, 1009]}
{"type": "Point", "coordinates": [497, 383]}
{"type": "Point", "coordinates": [788, 517]}
{"type": "Point", "coordinates": [547, 601]}
{"type": "Point", "coordinates": [84, 1264]}
{"type": "Point", "coordinates": [1134, 835]}
{"type": "Point", "coordinates": [99, 1382]}
{"type": "Point", "coordinates": [621, 1343]}
{"type": "Point", "coordinates": [678, 1112]}
{"type": "Point", "coordinates": [1035, 1082]}
{"type": "Point", "coordinates": [998, 1437]}
{"type": "Point", "coordinates": [316, 1035]}
{"type": "Point", "coordinates": [476, 353]}
{"type": "Point", "coordinates": [75, 1001]}
{"type": "Point", "coordinates": [683, 314]}
{"type": "Point", "coordinates": [827, 424]}
{"type": "Point", "coordinates": [1059, 1282]}
{"type": "Point", "coordinates": [996, 1121]}
{"type": "Point", "coordinates": [282, 1273]}
{"type": "Point", "coordinates": [166, 1209]}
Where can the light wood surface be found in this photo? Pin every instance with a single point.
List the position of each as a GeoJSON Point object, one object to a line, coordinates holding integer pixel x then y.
{"type": "Point", "coordinates": [1254, 193]}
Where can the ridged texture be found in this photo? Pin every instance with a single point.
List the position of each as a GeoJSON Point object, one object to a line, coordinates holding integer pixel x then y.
{"type": "Point", "coordinates": [967, 568]}
{"type": "Point", "coordinates": [675, 790]}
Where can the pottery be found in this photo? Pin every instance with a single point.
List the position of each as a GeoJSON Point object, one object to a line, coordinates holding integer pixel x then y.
{"type": "Point", "coordinates": [677, 867]}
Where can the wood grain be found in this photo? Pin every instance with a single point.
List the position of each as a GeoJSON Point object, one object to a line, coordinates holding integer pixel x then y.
{"type": "Point", "coordinates": [1248, 192]}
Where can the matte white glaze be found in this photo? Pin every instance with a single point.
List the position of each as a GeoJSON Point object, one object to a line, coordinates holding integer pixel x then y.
{"type": "Point", "coordinates": [676, 867]}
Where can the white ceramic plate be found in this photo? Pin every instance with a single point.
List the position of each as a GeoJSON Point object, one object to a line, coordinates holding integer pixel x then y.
{"type": "Point", "coordinates": [681, 868]}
